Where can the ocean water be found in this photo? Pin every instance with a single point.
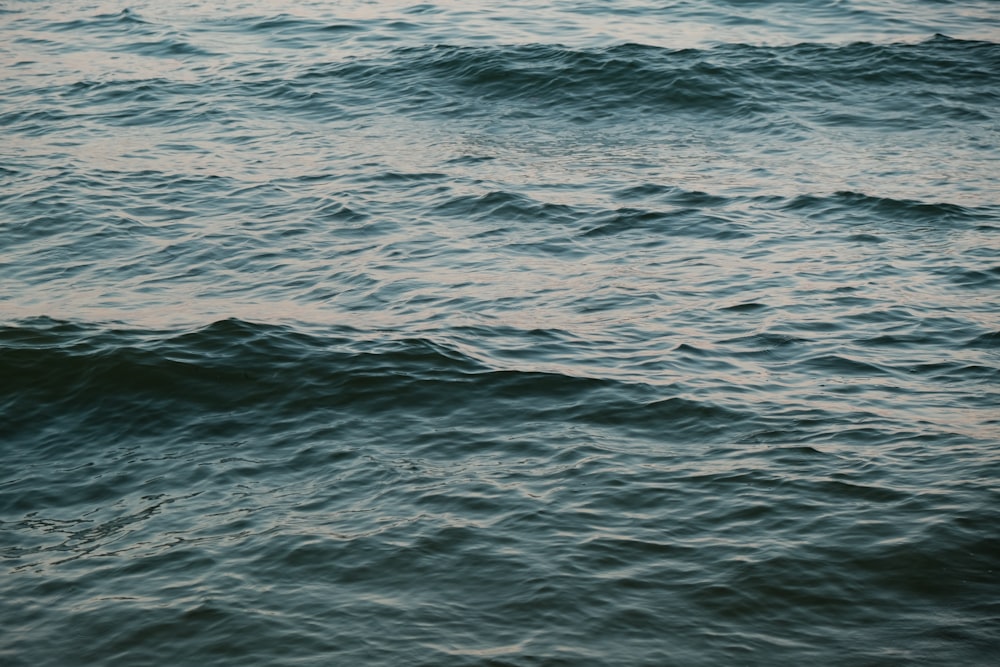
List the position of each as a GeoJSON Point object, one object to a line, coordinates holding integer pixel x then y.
{"type": "Point", "coordinates": [645, 332]}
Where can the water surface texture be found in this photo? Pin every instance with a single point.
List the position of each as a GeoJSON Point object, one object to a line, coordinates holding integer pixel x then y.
{"type": "Point", "coordinates": [508, 333]}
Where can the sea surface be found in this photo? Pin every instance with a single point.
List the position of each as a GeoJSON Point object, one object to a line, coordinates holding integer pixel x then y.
{"type": "Point", "coordinates": [636, 332]}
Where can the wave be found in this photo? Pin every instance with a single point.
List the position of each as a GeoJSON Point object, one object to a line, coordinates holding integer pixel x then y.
{"type": "Point", "coordinates": [127, 19]}
{"type": "Point", "coordinates": [234, 375]}
{"type": "Point", "coordinates": [52, 367]}
{"type": "Point", "coordinates": [507, 207]}
{"type": "Point", "coordinates": [858, 204]}
{"type": "Point", "coordinates": [129, 32]}
{"type": "Point", "coordinates": [888, 86]}
{"type": "Point", "coordinates": [666, 213]}
{"type": "Point", "coordinates": [728, 81]}
{"type": "Point", "coordinates": [658, 212]}
{"type": "Point", "coordinates": [731, 81]}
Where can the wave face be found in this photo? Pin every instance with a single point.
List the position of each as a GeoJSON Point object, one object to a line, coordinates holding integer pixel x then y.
{"type": "Point", "coordinates": [646, 333]}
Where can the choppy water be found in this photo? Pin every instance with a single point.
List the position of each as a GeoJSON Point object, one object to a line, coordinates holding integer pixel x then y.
{"type": "Point", "coordinates": [509, 333]}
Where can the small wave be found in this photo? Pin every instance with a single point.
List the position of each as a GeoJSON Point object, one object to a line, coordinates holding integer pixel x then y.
{"type": "Point", "coordinates": [591, 81]}
{"type": "Point", "coordinates": [834, 365]}
{"type": "Point", "coordinates": [288, 27]}
{"type": "Point", "coordinates": [885, 208]}
{"type": "Point", "coordinates": [671, 194]}
{"type": "Point", "coordinates": [677, 223]}
{"type": "Point", "coordinates": [126, 18]}
{"type": "Point", "coordinates": [127, 31]}
{"type": "Point", "coordinates": [165, 47]}
{"type": "Point", "coordinates": [730, 81]}
{"type": "Point", "coordinates": [987, 341]}
{"type": "Point", "coordinates": [237, 365]}
{"type": "Point", "coordinates": [748, 89]}
{"type": "Point", "coordinates": [984, 278]}
{"type": "Point", "coordinates": [506, 207]}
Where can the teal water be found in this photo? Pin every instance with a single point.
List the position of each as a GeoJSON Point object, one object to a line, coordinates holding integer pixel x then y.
{"type": "Point", "coordinates": [589, 333]}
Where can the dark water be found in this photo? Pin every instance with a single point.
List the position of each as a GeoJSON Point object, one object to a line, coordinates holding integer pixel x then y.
{"type": "Point", "coordinates": [572, 333]}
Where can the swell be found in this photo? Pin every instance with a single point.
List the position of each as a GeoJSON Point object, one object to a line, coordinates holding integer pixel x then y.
{"type": "Point", "coordinates": [889, 209]}
{"type": "Point", "coordinates": [891, 86]}
{"type": "Point", "coordinates": [272, 373]}
{"type": "Point", "coordinates": [125, 31]}
{"type": "Point", "coordinates": [737, 81]}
